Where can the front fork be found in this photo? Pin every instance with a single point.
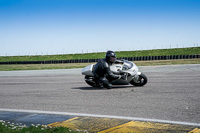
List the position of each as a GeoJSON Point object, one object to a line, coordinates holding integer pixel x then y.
{"type": "Point", "coordinates": [136, 77]}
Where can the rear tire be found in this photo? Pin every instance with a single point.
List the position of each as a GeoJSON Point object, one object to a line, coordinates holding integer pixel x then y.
{"type": "Point", "coordinates": [141, 81]}
{"type": "Point", "coordinates": [90, 80]}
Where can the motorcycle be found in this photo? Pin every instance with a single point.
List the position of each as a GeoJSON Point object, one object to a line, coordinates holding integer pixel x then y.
{"type": "Point", "coordinates": [123, 67]}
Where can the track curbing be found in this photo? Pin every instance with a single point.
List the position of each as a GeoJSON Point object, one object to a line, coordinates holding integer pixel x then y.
{"type": "Point", "coordinates": [96, 123]}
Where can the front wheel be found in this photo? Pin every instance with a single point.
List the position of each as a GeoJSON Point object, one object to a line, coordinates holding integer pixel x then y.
{"type": "Point", "coordinates": [142, 80]}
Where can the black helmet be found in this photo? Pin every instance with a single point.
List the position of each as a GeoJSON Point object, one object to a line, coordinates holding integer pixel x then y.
{"type": "Point", "coordinates": [110, 56]}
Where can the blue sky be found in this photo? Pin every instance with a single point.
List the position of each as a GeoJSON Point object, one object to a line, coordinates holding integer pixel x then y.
{"type": "Point", "coordinates": [35, 27]}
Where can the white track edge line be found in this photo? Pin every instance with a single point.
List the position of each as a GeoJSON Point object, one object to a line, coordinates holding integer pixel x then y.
{"type": "Point", "coordinates": [102, 116]}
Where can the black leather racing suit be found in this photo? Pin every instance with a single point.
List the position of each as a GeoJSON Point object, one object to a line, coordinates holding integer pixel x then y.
{"type": "Point", "coordinates": [103, 74]}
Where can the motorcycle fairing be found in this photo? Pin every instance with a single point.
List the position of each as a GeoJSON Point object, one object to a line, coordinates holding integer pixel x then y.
{"type": "Point", "coordinates": [88, 70]}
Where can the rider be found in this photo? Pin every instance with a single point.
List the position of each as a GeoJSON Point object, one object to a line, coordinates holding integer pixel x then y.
{"type": "Point", "coordinates": [102, 72]}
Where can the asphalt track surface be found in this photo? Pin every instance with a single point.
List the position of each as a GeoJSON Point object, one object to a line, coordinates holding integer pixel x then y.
{"type": "Point", "coordinates": [171, 94]}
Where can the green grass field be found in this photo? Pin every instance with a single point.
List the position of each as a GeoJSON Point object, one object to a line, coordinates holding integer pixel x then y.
{"type": "Point", "coordinates": [158, 52]}
{"type": "Point", "coordinates": [180, 51]}
{"type": "Point", "coordinates": [81, 65]}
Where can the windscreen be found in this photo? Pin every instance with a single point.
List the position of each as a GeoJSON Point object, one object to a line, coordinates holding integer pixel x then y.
{"type": "Point", "coordinates": [127, 65]}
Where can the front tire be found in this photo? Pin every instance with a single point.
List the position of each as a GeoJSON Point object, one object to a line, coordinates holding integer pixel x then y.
{"type": "Point", "coordinates": [142, 80]}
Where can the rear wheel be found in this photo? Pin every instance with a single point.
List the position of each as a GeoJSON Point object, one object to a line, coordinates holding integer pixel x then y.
{"type": "Point", "coordinates": [142, 80]}
{"type": "Point", "coordinates": [90, 80]}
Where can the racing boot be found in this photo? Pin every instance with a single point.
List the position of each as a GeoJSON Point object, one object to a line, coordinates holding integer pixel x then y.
{"type": "Point", "coordinates": [106, 83]}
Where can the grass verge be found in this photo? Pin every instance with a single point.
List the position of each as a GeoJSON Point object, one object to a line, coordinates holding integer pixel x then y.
{"type": "Point", "coordinates": [41, 66]}
{"type": "Point", "coordinates": [12, 128]}
{"type": "Point", "coordinates": [81, 65]}
{"type": "Point", "coordinates": [167, 62]}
